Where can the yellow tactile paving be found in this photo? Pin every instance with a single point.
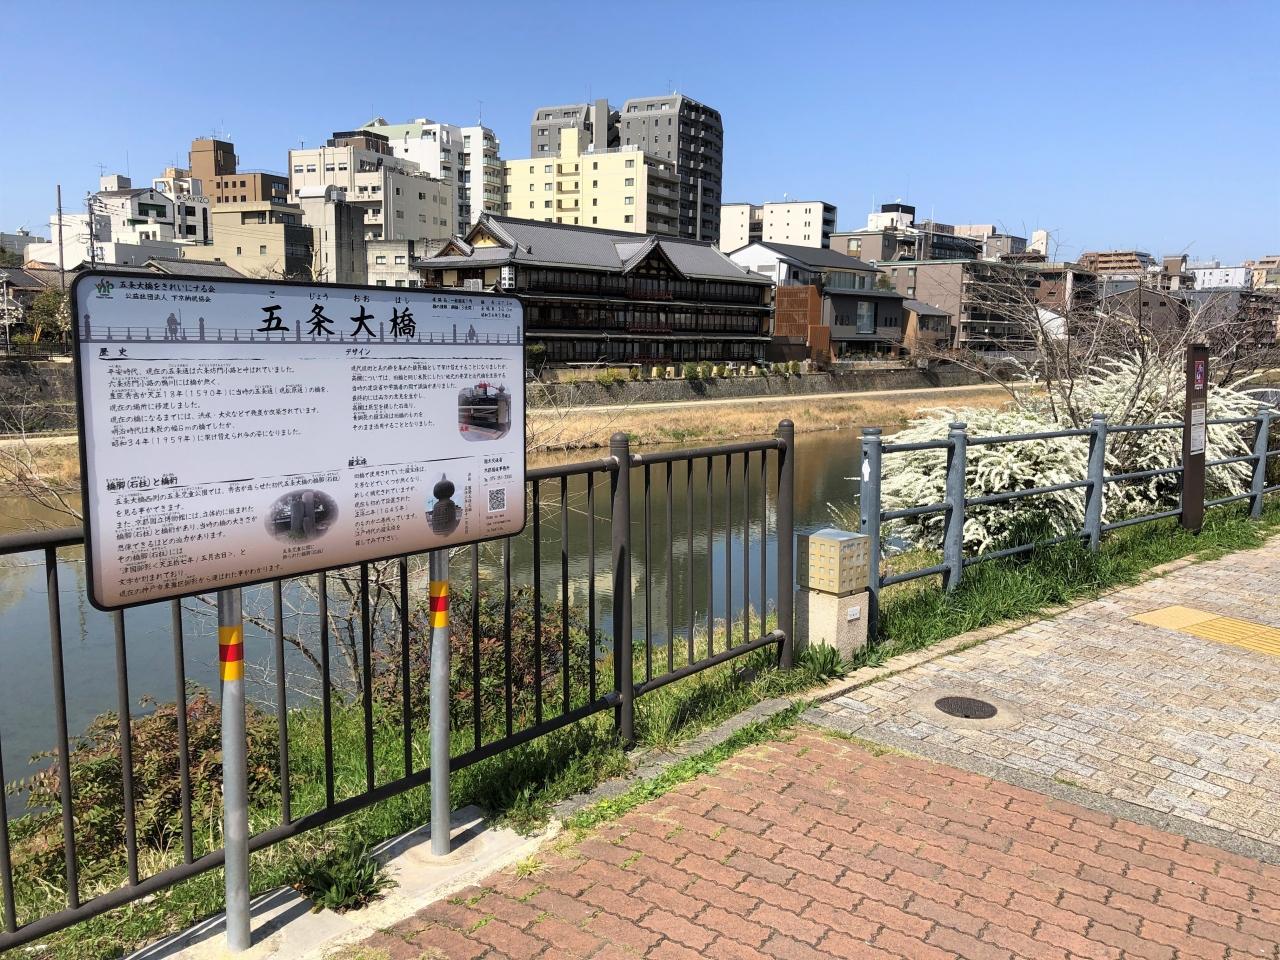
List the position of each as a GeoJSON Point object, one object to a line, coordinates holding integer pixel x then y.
{"type": "Point", "coordinates": [1175, 618]}
{"type": "Point", "coordinates": [1209, 626]}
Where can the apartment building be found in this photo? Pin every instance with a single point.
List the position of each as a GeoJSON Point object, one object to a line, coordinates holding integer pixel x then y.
{"type": "Point", "coordinates": [828, 303]}
{"type": "Point", "coordinates": [987, 301]}
{"type": "Point", "coordinates": [1266, 272]}
{"type": "Point", "coordinates": [1119, 264]}
{"type": "Point", "coordinates": [597, 120]}
{"type": "Point", "coordinates": [687, 134]}
{"type": "Point", "coordinates": [17, 243]}
{"type": "Point", "coordinates": [337, 235]}
{"type": "Point", "coordinates": [215, 164]}
{"type": "Point", "coordinates": [806, 223]}
{"type": "Point", "coordinates": [996, 243]}
{"type": "Point", "coordinates": [1212, 275]}
{"type": "Point", "coordinates": [260, 239]}
{"type": "Point", "coordinates": [892, 233]}
{"type": "Point", "coordinates": [593, 295]}
{"type": "Point", "coordinates": [618, 188]}
{"type": "Point", "coordinates": [466, 157]}
{"type": "Point", "coordinates": [390, 263]}
{"type": "Point", "coordinates": [400, 202]}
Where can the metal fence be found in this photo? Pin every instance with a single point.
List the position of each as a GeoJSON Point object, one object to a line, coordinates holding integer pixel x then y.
{"type": "Point", "coordinates": [627, 654]}
{"type": "Point", "coordinates": [1092, 486]}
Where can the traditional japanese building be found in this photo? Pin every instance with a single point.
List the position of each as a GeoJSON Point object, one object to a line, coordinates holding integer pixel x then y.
{"type": "Point", "coordinates": [595, 295]}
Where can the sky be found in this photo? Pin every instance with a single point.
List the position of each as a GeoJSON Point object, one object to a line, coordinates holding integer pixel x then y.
{"type": "Point", "coordinates": [1110, 124]}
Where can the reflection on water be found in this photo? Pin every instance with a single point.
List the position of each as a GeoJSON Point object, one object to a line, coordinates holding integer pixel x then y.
{"type": "Point", "coordinates": [701, 558]}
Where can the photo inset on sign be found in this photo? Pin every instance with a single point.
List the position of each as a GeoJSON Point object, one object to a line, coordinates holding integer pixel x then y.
{"type": "Point", "coordinates": [301, 516]}
{"type": "Point", "coordinates": [484, 412]}
{"type": "Point", "coordinates": [443, 514]}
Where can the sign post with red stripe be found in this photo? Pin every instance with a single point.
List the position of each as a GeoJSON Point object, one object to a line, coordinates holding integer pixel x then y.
{"type": "Point", "coordinates": [439, 702]}
{"type": "Point", "coordinates": [235, 775]}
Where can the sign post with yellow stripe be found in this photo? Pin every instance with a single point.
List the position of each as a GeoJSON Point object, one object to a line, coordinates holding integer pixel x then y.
{"type": "Point", "coordinates": [439, 702]}
{"type": "Point", "coordinates": [235, 786]}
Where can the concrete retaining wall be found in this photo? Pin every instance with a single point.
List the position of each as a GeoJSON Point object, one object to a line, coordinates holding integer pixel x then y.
{"type": "Point", "coordinates": [591, 393]}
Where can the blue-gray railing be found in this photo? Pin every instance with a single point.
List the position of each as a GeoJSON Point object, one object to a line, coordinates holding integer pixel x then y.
{"type": "Point", "coordinates": [1093, 486]}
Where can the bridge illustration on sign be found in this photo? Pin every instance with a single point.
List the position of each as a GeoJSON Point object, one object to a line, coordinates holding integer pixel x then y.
{"type": "Point", "coordinates": [173, 329]}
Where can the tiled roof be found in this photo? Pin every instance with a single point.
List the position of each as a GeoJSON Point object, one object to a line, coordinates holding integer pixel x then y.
{"type": "Point", "coordinates": [817, 257]}
{"type": "Point", "coordinates": [194, 268]}
{"type": "Point", "coordinates": [556, 244]}
{"type": "Point", "coordinates": [20, 279]}
{"type": "Point", "coordinates": [924, 309]}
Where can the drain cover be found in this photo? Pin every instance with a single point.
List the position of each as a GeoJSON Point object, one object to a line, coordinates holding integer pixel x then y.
{"type": "Point", "coordinates": [967, 708]}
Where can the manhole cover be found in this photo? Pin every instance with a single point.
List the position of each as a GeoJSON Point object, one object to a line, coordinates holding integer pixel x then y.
{"type": "Point", "coordinates": [967, 708]}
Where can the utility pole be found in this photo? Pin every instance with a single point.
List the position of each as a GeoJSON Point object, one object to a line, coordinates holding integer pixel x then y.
{"type": "Point", "coordinates": [93, 233]}
{"type": "Point", "coordinates": [62, 273]}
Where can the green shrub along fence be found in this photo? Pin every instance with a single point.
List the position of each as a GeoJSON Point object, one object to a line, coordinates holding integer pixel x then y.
{"type": "Point", "coordinates": [130, 807]}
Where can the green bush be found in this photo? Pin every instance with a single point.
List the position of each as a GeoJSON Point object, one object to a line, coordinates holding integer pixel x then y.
{"type": "Point", "coordinates": [634, 373]}
{"type": "Point", "coordinates": [535, 357]}
{"type": "Point", "coordinates": [609, 378]}
{"type": "Point", "coordinates": [97, 788]}
{"type": "Point", "coordinates": [692, 371]}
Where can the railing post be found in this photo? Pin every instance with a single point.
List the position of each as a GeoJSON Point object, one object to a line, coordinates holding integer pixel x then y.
{"type": "Point", "coordinates": [620, 522]}
{"type": "Point", "coordinates": [1097, 489]}
{"type": "Point", "coordinates": [235, 790]}
{"type": "Point", "coordinates": [1261, 444]}
{"type": "Point", "coordinates": [869, 523]}
{"type": "Point", "coordinates": [953, 535]}
{"type": "Point", "coordinates": [438, 702]}
{"type": "Point", "coordinates": [786, 542]}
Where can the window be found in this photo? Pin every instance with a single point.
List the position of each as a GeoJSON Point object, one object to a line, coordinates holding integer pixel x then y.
{"type": "Point", "coordinates": [297, 168]}
{"type": "Point", "coordinates": [546, 186]}
{"type": "Point", "coordinates": [628, 219]}
{"type": "Point", "coordinates": [866, 317]}
{"type": "Point", "coordinates": [595, 165]}
{"type": "Point", "coordinates": [399, 283]}
{"type": "Point", "coordinates": [629, 182]}
{"type": "Point", "coordinates": [546, 203]}
{"type": "Point", "coordinates": [382, 283]}
{"type": "Point", "coordinates": [628, 200]}
{"type": "Point", "coordinates": [629, 164]}
{"type": "Point", "coordinates": [400, 258]}
{"type": "Point", "coordinates": [239, 252]}
{"type": "Point", "coordinates": [380, 259]}
{"type": "Point", "coordinates": [595, 219]}
{"type": "Point", "coordinates": [422, 196]}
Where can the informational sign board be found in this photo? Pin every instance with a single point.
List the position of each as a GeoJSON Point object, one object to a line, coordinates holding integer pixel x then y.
{"type": "Point", "coordinates": [237, 431]}
{"type": "Point", "coordinates": [1195, 436]}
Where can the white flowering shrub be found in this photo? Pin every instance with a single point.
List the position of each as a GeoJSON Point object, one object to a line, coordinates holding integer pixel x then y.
{"type": "Point", "coordinates": [918, 478]}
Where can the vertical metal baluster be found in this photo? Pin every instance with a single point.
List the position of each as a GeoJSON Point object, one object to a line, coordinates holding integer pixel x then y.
{"type": "Point", "coordinates": [282, 698]}
{"type": "Point", "coordinates": [746, 547]}
{"type": "Point", "coordinates": [126, 748]}
{"type": "Point", "coordinates": [728, 551]}
{"type": "Point", "coordinates": [406, 702]}
{"type": "Point", "coordinates": [366, 658]}
{"type": "Point", "coordinates": [591, 585]}
{"type": "Point", "coordinates": [786, 542]}
{"type": "Point", "coordinates": [764, 538]}
{"type": "Point", "coordinates": [6, 863]}
{"type": "Point", "coordinates": [537, 604]}
{"type": "Point", "coordinates": [711, 566]}
{"type": "Point", "coordinates": [648, 576]}
{"type": "Point", "coordinates": [476, 718]}
{"type": "Point", "coordinates": [60, 720]}
{"type": "Point", "coordinates": [688, 561]}
{"type": "Point", "coordinates": [671, 579]}
{"type": "Point", "coordinates": [565, 652]}
{"type": "Point", "coordinates": [326, 693]}
{"type": "Point", "coordinates": [184, 750]}
{"type": "Point", "coordinates": [506, 632]}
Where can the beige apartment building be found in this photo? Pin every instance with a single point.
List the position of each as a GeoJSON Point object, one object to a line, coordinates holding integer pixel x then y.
{"type": "Point", "coordinates": [802, 223]}
{"type": "Point", "coordinates": [260, 239]}
{"type": "Point", "coordinates": [615, 188]}
{"type": "Point", "coordinates": [400, 202]}
{"type": "Point", "coordinates": [215, 164]}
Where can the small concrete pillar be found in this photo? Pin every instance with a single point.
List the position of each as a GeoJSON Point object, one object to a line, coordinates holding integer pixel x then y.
{"type": "Point", "coordinates": [832, 604]}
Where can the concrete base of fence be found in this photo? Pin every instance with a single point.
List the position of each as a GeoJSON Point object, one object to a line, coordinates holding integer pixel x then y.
{"type": "Point", "coordinates": [284, 926]}
{"type": "Point", "coordinates": [825, 620]}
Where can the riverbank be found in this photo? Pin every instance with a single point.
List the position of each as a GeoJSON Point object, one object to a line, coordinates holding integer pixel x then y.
{"type": "Point", "coordinates": [708, 421]}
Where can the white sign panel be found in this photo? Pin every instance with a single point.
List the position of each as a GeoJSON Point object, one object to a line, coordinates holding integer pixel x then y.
{"type": "Point", "coordinates": [239, 431]}
{"type": "Point", "coordinates": [1197, 427]}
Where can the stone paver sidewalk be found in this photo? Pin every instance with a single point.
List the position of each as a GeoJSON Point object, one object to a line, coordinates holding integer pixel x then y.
{"type": "Point", "coordinates": [1184, 726]}
{"type": "Point", "coordinates": [816, 847]}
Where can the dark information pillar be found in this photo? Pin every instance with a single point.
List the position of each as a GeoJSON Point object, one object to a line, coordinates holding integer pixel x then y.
{"type": "Point", "coordinates": [1194, 433]}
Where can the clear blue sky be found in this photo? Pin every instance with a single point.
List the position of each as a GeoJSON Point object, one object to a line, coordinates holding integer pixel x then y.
{"type": "Point", "coordinates": [1113, 124]}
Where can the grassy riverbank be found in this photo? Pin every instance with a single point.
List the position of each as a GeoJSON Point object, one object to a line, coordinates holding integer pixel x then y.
{"type": "Point", "coordinates": [703, 422]}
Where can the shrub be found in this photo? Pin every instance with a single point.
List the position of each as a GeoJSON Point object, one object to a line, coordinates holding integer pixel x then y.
{"type": "Point", "coordinates": [535, 355]}
{"type": "Point", "coordinates": [97, 788]}
{"type": "Point", "coordinates": [692, 371]}
{"type": "Point", "coordinates": [609, 378]}
{"type": "Point", "coordinates": [634, 373]}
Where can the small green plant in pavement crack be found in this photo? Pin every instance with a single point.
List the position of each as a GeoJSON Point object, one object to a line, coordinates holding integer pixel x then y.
{"type": "Point", "coordinates": [345, 879]}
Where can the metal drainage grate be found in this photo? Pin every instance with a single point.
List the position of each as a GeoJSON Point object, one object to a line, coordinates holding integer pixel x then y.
{"type": "Point", "coordinates": [967, 708]}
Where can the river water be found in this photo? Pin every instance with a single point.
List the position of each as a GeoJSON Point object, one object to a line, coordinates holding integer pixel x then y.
{"type": "Point", "coordinates": [825, 468]}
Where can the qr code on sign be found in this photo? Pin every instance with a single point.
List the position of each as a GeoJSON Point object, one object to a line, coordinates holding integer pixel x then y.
{"type": "Point", "coordinates": [497, 499]}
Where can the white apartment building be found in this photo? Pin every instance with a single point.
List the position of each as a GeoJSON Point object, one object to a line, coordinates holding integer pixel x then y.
{"type": "Point", "coordinates": [390, 263]}
{"type": "Point", "coordinates": [337, 231]}
{"type": "Point", "coordinates": [804, 223]}
{"type": "Point", "coordinates": [400, 202]}
{"type": "Point", "coordinates": [466, 157]}
{"type": "Point", "coordinates": [1211, 274]}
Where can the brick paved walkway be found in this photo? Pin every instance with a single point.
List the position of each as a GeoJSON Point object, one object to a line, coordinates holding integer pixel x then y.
{"type": "Point", "coordinates": [1181, 725]}
{"type": "Point", "coordinates": [815, 847]}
